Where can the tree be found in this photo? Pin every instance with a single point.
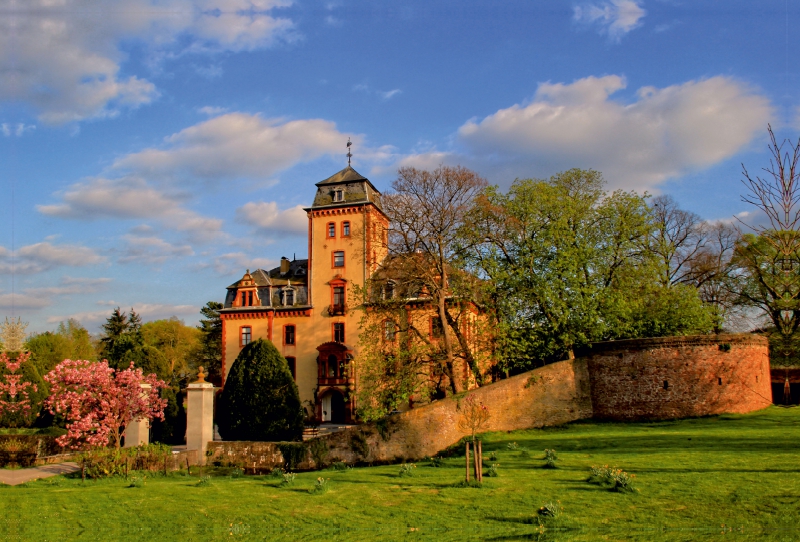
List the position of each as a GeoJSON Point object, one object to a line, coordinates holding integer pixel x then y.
{"type": "Point", "coordinates": [260, 401]}
{"type": "Point", "coordinates": [209, 355]}
{"type": "Point", "coordinates": [770, 257]}
{"type": "Point", "coordinates": [556, 254]}
{"type": "Point", "coordinates": [21, 387]}
{"type": "Point", "coordinates": [69, 341]}
{"type": "Point", "coordinates": [116, 326]}
{"type": "Point", "coordinates": [175, 341]}
{"type": "Point", "coordinates": [426, 212]}
{"type": "Point", "coordinates": [99, 401]}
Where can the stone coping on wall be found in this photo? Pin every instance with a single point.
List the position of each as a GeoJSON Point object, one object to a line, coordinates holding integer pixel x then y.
{"type": "Point", "coordinates": [672, 342]}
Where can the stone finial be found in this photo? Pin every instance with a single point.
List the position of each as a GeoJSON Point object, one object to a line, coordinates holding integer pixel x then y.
{"type": "Point", "coordinates": [201, 377]}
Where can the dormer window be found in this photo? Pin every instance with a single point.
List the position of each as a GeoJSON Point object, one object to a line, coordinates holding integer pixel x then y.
{"type": "Point", "coordinates": [338, 195]}
{"type": "Point", "coordinates": [288, 297]}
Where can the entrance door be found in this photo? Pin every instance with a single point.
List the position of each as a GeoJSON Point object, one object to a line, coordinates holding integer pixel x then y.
{"type": "Point", "coordinates": [326, 408]}
{"type": "Point", "coordinates": [337, 407]}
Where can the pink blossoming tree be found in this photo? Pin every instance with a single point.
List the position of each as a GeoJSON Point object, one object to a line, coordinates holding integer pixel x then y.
{"type": "Point", "coordinates": [98, 401]}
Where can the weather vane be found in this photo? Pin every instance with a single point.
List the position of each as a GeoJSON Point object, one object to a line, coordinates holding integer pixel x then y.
{"type": "Point", "coordinates": [349, 154]}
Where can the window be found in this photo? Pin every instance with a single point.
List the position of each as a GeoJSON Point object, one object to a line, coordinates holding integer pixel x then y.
{"type": "Point", "coordinates": [292, 366]}
{"type": "Point", "coordinates": [246, 333]}
{"type": "Point", "coordinates": [388, 290]}
{"type": "Point", "coordinates": [338, 258]}
{"type": "Point", "coordinates": [436, 327]}
{"type": "Point", "coordinates": [331, 230]}
{"type": "Point", "coordinates": [288, 335]}
{"type": "Point", "coordinates": [288, 297]}
{"type": "Point", "coordinates": [338, 296]}
{"type": "Point", "coordinates": [338, 195]}
{"type": "Point", "coordinates": [345, 229]}
{"type": "Point", "coordinates": [338, 332]}
{"type": "Point", "coordinates": [333, 364]}
{"type": "Point", "coordinates": [389, 330]}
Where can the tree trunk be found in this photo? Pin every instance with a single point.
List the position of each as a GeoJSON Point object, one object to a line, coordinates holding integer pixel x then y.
{"type": "Point", "coordinates": [455, 380]}
{"type": "Point", "coordinates": [462, 341]}
{"type": "Point", "coordinates": [476, 458]}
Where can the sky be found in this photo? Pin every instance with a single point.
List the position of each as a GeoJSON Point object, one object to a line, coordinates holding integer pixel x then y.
{"type": "Point", "coordinates": [152, 150]}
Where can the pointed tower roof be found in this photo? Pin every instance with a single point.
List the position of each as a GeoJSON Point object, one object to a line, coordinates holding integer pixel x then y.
{"type": "Point", "coordinates": [348, 174]}
{"type": "Point", "coordinates": [347, 187]}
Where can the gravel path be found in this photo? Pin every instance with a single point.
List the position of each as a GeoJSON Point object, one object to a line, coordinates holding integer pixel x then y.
{"type": "Point", "coordinates": [20, 476]}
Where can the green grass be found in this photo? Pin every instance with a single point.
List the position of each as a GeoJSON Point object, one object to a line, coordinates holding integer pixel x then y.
{"type": "Point", "coordinates": [731, 477]}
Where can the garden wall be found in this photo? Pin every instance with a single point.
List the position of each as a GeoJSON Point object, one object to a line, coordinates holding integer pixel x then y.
{"type": "Point", "coordinates": [679, 377]}
{"type": "Point", "coordinates": [643, 379]}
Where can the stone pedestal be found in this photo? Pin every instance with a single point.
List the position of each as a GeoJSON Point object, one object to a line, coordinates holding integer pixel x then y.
{"type": "Point", "coordinates": [138, 431]}
{"type": "Point", "coordinates": [199, 416]}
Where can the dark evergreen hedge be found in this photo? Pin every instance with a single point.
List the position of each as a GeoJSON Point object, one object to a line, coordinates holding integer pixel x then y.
{"type": "Point", "coordinates": [260, 400]}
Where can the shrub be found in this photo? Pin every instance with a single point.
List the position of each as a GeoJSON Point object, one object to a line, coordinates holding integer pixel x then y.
{"type": "Point", "coordinates": [512, 446]}
{"type": "Point", "coordinates": [492, 471]}
{"type": "Point", "coordinates": [615, 478]}
{"type": "Point", "coordinates": [407, 469]}
{"type": "Point", "coordinates": [551, 510]}
{"type": "Point", "coordinates": [492, 456]}
{"type": "Point", "coordinates": [472, 483]}
{"type": "Point", "coordinates": [436, 462]}
{"type": "Point", "coordinates": [320, 486]}
{"type": "Point", "coordinates": [260, 401]}
{"type": "Point", "coordinates": [204, 481]}
{"type": "Point", "coordinates": [293, 453]}
{"type": "Point", "coordinates": [550, 458]}
{"type": "Point", "coordinates": [287, 478]}
{"type": "Point", "coordinates": [359, 444]}
{"type": "Point", "coordinates": [319, 451]}
{"type": "Point", "coordinates": [104, 462]}
{"type": "Point", "coordinates": [137, 481]}
{"type": "Point", "coordinates": [237, 473]}
{"type": "Point", "coordinates": [340, 466]}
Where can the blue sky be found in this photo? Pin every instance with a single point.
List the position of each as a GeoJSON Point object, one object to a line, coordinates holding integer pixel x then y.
{"type": "Point", "coordinates": [152, 150]}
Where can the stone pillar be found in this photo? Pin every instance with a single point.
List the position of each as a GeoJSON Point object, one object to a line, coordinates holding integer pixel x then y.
{"type": "Point", "coordinates": [199, 416]}
{"type": "Point", "coordinates": [137, 432]}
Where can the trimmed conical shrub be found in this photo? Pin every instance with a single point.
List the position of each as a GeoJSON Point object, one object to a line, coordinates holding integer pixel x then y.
{"type": "Point", "coordinates": [260, 399]}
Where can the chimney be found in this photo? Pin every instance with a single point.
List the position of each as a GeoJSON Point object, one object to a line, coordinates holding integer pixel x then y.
{"type": "Point", "coordinates": [284, 265]}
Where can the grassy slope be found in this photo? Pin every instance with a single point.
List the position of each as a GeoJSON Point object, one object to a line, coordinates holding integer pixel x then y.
{"type": "Point", "coordinates": [694, 476]}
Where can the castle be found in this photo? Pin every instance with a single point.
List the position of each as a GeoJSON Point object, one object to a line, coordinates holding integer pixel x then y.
{"type": "Point", "coordinates": [302, 305]}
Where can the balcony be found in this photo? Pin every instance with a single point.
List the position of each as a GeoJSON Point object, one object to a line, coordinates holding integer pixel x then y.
{"type": "Point", "coordinates": [336, 310]}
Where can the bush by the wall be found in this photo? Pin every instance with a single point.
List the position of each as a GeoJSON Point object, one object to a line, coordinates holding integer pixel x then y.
{"type": "Point", "coordinates": [260, 401]}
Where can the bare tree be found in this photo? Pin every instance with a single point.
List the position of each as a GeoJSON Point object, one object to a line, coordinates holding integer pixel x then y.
{"type": "Point", "coordinates": [678, 238]}
{"type": "Point", "coordinates": [771, 257]}
{"type": "Point", "coordinates": [426, 211]}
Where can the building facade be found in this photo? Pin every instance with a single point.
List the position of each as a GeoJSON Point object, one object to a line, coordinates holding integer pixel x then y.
{"type": "Point", "coordinates": [302, 305]}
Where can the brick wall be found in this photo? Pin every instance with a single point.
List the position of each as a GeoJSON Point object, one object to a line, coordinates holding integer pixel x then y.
{"type": "Point", "coordinates": [623, 380]}
{"type": "Point", "coordinates": [678, 377]}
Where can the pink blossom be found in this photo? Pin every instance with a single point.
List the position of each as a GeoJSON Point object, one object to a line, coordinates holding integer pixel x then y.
{"type": "Point", "coordinates": [99, 401]}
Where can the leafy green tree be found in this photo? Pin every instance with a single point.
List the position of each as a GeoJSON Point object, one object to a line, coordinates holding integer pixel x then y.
{"type": "Point", "coordinates": [176, 342]}
{"type": "Point", "coordinates": [260, 401]}
{"type": "Point", "coordinates": [209, 355]}
{"type": "Point", "coordinates": [115, 327]}
{"type": "Point", "coordinates": [565, 263]}
{"type": "Point", "coordinates": [70, 341]}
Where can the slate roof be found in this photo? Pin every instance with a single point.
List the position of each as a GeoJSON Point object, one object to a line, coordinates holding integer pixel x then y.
{"type": "Point", "coordinates": [356, 189]}
{"type": "Point", "coordinates": [298, 274]}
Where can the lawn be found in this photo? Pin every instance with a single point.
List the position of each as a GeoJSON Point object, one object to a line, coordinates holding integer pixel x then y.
{"type": "Point", "coordinates": [733, 477]}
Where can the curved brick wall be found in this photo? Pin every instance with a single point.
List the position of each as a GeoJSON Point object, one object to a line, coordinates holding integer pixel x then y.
{"type": "Point", "coordinates": [678, 377]}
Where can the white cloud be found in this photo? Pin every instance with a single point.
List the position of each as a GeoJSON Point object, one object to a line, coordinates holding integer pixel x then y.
{"type": "Point", "coordinates": [212, 111]}
{"type": "Point", "coordinates": [615, 18]}
{"type": "Point", "coordinates": [265, 216]}
{"type": "Point", "coordinates": [44, 256]}
{"type": "Point", "coordinates": [129, 198]}
{"type": "Point", "coordinates": [43, 296]}
{"type": "Point", "coordinates": [663, 133]}
{"type": "Point", "coordinates": [17, 130]}
{"type": "Point", "coordinates": [148, 312]}
{"type": "Point", "coordinates": [64, 57]}
{"type": "Point", "coordinates": [390, 93]}
{"type": "Point", "coordinates": [151, 250]}
{"type": "Point", "coordinates": [236, 146]}
{"type": "Point", "coordinates": [235, 263]}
